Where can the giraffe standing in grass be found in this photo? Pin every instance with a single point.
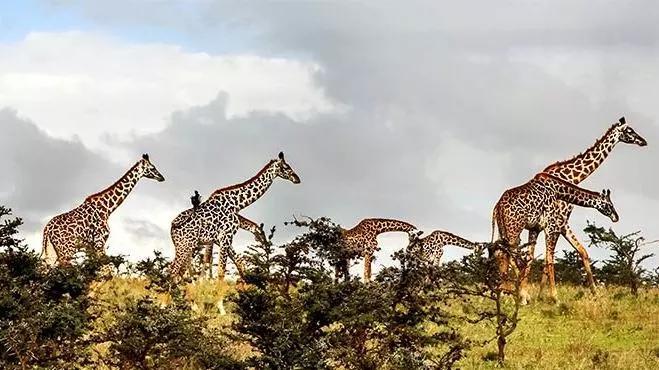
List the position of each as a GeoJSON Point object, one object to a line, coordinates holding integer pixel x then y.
{"type": "Point", "coordinates": [216, 220]}
{"type": "Point", "coordinates": [245, 224]}
{"type": "Point", "coordinates": [432, 246]}
{"type": "Point", "coordinates": [87, 224]}
{"type": "Point", "coordinates": [362, 239]}
{"type": "Point", "coordinates": [525, 207]}
{"type": "Point", "coordinates": [575, 170]}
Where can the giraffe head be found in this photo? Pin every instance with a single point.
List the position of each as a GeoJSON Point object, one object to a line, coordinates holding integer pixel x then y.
{"type": "Point", "coordinates": [627, 135]}
{"type": "Point", "coordinates": [605, 206]}
{"type": "Point", "coordinates": [285, 171]}
{"type": "Point", "coordinates": [149, 170]}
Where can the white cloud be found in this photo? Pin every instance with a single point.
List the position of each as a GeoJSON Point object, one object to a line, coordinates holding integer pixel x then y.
{"type": "Point", "coordinates": [76, 83]}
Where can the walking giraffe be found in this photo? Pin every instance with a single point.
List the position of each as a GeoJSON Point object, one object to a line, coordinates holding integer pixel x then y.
{"type": "Point", "coordinates": [525, 207]}
{"type": "Point", "coordinates": [362, 239]}
{"type": "Point", "coordinates": [87, 224]}
{"type": "Point", "coordinates": [575, 170]}
{"type": "Point", "coordinates": [431, 247]}
{"type": "Point", "coordinates": [216, 220]}
{"type": "Point", "coordinates": [245, 224]}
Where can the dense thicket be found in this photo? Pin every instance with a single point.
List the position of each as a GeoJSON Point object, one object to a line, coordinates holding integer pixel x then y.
{"type": "Point", "coordinates": [294, 311]}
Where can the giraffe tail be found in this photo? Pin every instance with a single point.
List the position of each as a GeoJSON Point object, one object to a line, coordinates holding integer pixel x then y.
{"type": "Point", "coordinates": [48, 253]}
{"type": "Point", "coordinates": [494, 221]}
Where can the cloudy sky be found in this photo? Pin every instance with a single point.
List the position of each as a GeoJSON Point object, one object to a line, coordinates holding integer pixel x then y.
{"type": "Point", "coordinates": [424, 111]}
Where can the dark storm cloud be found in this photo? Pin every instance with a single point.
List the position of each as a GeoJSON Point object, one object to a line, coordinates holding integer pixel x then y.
{"type": "Point", "coordinates": [42, 175]}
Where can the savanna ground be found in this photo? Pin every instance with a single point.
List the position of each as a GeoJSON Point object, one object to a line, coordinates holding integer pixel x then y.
{"type": "Point", "coordinates": [613, 330]}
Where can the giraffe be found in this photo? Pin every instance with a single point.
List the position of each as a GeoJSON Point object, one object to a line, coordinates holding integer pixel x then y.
{"type": "Point", "coordinates": [362, 239]}
{"type": "Point", "coordinates": [87, 224]}
{"type": "Point", "coordinates": [216, 219]}
{"type": "Point", "coordinates": [575, 170]}
{"type": "Point", "coordinates": [525, 207]}
{"type": "Point", "coordinates": [245, 224]}
{"type": "Point", "coordinates": [432, 245]}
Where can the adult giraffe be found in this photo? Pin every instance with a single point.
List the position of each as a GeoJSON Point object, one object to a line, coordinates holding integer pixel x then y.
{"type": "Point", "coordinates": [431, 247]}
{"type": "Point", "coordinates": [216, 220]}
{"type": "Point", "coordinates": [87, 224]}
{"type": "Point", "coordinates": [244, 223]}
{"type": "Point", "coordinates": [362, 239]}
{"type": "Point", "coordinates": [525, 207]}
{"type": "Point", "coordinates": [575, 170]}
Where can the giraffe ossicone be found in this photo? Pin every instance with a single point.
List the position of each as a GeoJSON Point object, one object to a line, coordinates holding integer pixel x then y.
{"type": "Point", "coordinates": [86, 226]}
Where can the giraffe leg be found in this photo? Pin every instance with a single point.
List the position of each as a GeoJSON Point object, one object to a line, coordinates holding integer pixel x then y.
{"type": "Point", "coordinates": [526, 268]}
{"type": "Point", "coordinates": [224, 244]}
{"type": "Point", "coordinates": [574, 241]}
{"type": "Point", "coordinates": [550, 240]}
{"type": "Point", "coordinates": [183, 257]}
{"type": "Point", "coordinates": [237, 261]}
{"type": "Point", "coordinates": [208, 261]}
{"type": "Point", "coordinates": [368, 259]}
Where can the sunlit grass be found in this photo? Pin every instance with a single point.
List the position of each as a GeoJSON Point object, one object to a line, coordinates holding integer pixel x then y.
{"type": "Point", "coordinates": [611, 330]}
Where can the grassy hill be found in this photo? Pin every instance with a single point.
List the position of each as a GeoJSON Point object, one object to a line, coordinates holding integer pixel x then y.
{"type": "Point", "coordinates": [613, 330]}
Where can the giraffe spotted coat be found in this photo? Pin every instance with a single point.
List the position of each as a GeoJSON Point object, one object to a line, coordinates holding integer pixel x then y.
{"type": "Point", "coordinates": [87, 224]}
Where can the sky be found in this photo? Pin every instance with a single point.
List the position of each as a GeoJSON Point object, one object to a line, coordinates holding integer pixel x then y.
{"type": "Point", "coordinates": [425, 111]}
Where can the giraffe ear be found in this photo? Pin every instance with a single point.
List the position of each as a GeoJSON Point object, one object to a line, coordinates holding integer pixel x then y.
{"type": "Point", "coordinates": [145, 156]}
{"type": "Point", "coordinates": [622, 120]}
{"type": "Point", "coordinates": [281, 155]}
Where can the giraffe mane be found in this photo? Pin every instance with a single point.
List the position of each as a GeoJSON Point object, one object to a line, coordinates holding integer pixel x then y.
{"type": "Point", "coordinates": [230, 187]}
{"type": "Point", "coordinates": [597, 142]}
{"type": "Point", "coordinates": [113, 184]}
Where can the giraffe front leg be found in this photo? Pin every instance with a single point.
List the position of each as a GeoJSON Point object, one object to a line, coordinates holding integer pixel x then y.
{"type": "Point", "coordinates": [207, 264]}
{"type": "Point", "coordinates": [551, 240]}
{"type": "Point", "coordinates": [368, 260]}
{"type": "Point", "coordinates": [224, 244]}
{"type": "Point", "coordinates": [240, 266]}
{"type": "Point", "coordinates": [526, 268]}
{"type": "Point", "coordinates": [574, 241]}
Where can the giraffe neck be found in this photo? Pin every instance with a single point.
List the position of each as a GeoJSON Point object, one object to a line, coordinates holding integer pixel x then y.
{"type": "Point", "coordinates": [248, 192]}
{"type": "Point", "coordinates": [569, 192]}
{"type": "Point", "coordinates": [583, 165]}
{"type": "Point", "coordinates": [250, 226]}
{"type": "Point", "coordinates": [108, 200]}
{"type": "Point", "coordinates": [384, 225]}
{"type": "Point", "coordinates": [451, 239]}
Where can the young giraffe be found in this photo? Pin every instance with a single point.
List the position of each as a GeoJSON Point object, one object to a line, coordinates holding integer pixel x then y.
{"type": "Point", "coordinates": [525, 207]}
{"type": "Point", "coordinates": [87, 224]}
{"type": "Point", "coordinates": [575, 170]}
{"type": "Point", "coordinates": [362, 239]}
{"type": "Point", "coordinates": [432, 245]}
{"type": "Point", "coordinates": [216, 219]}
{"type": "Point", "coordinates": [245, 224]}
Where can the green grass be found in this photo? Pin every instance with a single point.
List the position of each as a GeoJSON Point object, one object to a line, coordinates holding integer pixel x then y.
{"type": "Point", "coordinates": [612, 330]}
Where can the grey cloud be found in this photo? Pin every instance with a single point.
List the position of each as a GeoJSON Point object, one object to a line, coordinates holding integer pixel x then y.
{"type": "Point", "coordinates": [145, 229]}
{"type": "Point", "coordinates": [42, 175]}
{"type": "Point", "coordinates": [411, 74]}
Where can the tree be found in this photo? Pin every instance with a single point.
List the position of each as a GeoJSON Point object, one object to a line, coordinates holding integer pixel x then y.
{"type": "Point", "coordinates": [478, 277]}
{"type": "Point", "coordinates": [296, 315]}
{"type": "Point", "coordinates": [624, 265]}
{"type": "Point", "coordinates": [8, 229]}
{"type": "Point", "coordinates": [43, 312]}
